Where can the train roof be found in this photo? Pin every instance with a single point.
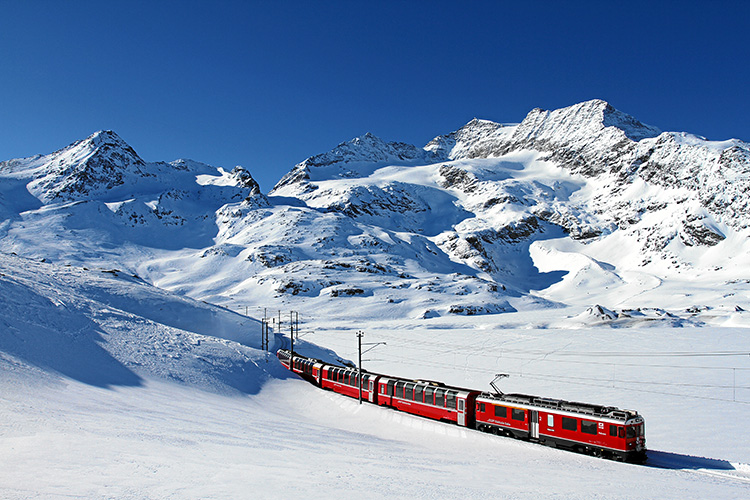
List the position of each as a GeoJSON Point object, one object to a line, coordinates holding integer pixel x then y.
{"type": "Point", "coordinates": [562, 405]}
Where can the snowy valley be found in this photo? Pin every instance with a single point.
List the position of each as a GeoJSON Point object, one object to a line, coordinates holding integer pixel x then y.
{"type": "Point", "coordinates": [588, 255]}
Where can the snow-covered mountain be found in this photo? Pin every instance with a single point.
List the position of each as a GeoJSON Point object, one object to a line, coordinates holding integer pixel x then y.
{"type": "Point", "coordinates": [581, 206]}
{"type": "Point", "coordinates": [130, 293]}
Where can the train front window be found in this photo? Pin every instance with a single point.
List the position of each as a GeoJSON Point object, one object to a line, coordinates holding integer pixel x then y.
{"type": "Point", "coordinates": [630, 432]}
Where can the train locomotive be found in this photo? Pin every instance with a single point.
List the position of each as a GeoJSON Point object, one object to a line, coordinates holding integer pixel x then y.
{"type": "Point", "coordinates": [602, 431]}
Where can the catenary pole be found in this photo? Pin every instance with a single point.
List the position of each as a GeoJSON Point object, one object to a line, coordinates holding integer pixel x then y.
{"type": "Point", "coordinates": [360, 334]}
{"type": "Point", "coordinates": [291, 335]}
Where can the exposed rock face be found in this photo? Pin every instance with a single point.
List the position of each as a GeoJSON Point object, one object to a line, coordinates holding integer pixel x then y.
{"type": "Point", "coordinates": [354, 158]}
{"type": "Point", "coordinates": [96, 164]}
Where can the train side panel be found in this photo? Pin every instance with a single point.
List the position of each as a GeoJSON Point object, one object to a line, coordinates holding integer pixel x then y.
{"type": "Point", "coordinates": [436, 402]}
{"type": "Point", "coordinates": [346, 381]}
{"type": "Point", "coordinates": [585, 433]}
{"type": "Point", "coordinates": [502, 419]}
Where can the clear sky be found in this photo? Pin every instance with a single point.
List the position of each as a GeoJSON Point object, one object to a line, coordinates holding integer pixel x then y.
{"type": "Point", "coordinates": [267, 84]}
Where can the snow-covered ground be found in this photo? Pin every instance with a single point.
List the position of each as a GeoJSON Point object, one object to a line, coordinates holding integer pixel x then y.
{"type": "Point", "coordinates": [157, 396]}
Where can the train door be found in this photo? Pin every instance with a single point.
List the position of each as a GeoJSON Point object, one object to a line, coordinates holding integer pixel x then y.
{"type": "Point", "coordinates": [533, 424]}
{"type": "Point", "coordinates": [461, 407]}
{"type": "Point", "coordinates": [371, 387]}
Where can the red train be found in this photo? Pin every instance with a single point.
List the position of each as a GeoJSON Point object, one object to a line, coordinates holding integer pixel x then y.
{"type": "Point", "coordinates": [603, 431]}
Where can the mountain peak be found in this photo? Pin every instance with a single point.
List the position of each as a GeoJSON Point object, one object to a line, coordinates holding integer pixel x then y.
{"type": "Point", "coordinates": [105, 137]}
{"type": "Point", "coordinates": [103, 145]}
{"type": "Point", "coordinates": [347, 159]}
{"type": "Point", "coordinates": [582, 121]}
{"type": "Point", "coordinates": [99, 162]}
{"type": "Point", "coordinates": [368, 148]}
{"type": "Point", "coordinates": [472, 140]}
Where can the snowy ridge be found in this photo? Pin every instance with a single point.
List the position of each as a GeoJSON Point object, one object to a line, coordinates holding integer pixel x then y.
{"type": "Point", "coordinates": [355, 158]}
{"type": "Point", "coordinates": [107, 328]}
{"type": "Point", "coordinates": [476, 139]}
{"type": "Point", "coordinates": [99, 163]}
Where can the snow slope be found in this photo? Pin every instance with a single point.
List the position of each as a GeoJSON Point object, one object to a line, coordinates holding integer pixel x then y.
{"type": "Point", "coordinates": [107, 328]}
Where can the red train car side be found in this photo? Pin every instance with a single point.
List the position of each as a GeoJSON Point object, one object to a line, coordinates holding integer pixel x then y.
{"type": "Point", "coordinates": [597, 430]}
{"type": "Point", "coordinates": [603, 431]}
{"type": "Point", "coordinates": [346, 381]}
{"type": "Point", "coordinates": [428, 399]}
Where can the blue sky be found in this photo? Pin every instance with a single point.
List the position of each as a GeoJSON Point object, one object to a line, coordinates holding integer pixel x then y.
{"type": "Point", "coordinates": [266, 84]}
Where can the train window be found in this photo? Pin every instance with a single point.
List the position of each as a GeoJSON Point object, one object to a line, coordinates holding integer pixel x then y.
{"type": "Point", "coordinates": [481, 407]}
{"type": "Point", "coordinates": [501, 411]}
{"type": "Point", "coordinates": [588, 427]}
{"type": "Point", "coordinates": [569, 424]}
{"type": "Point", "coordinates": [418, 393]}
{"type": "Point", "coordinates": [409, 392]}
{"type": "Point", "coordinates": [450, 400]}
{"type": "Point", "coordinates": [519, 415]}
{"type": "Point", "coordinates": [399, 389]}
{"type": "Point", "coordinates": [613, 430]}
{"type": "Point", "coordinates": [428, 395]}
{"type": "Point", "coordinates": [391, 383]}
{"type": "Point", "coordinates": [550, 420]}
{"type": "Point", "coordinates": [440, 397]}
{"type": "Point", "coordinates": [630, 432]}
